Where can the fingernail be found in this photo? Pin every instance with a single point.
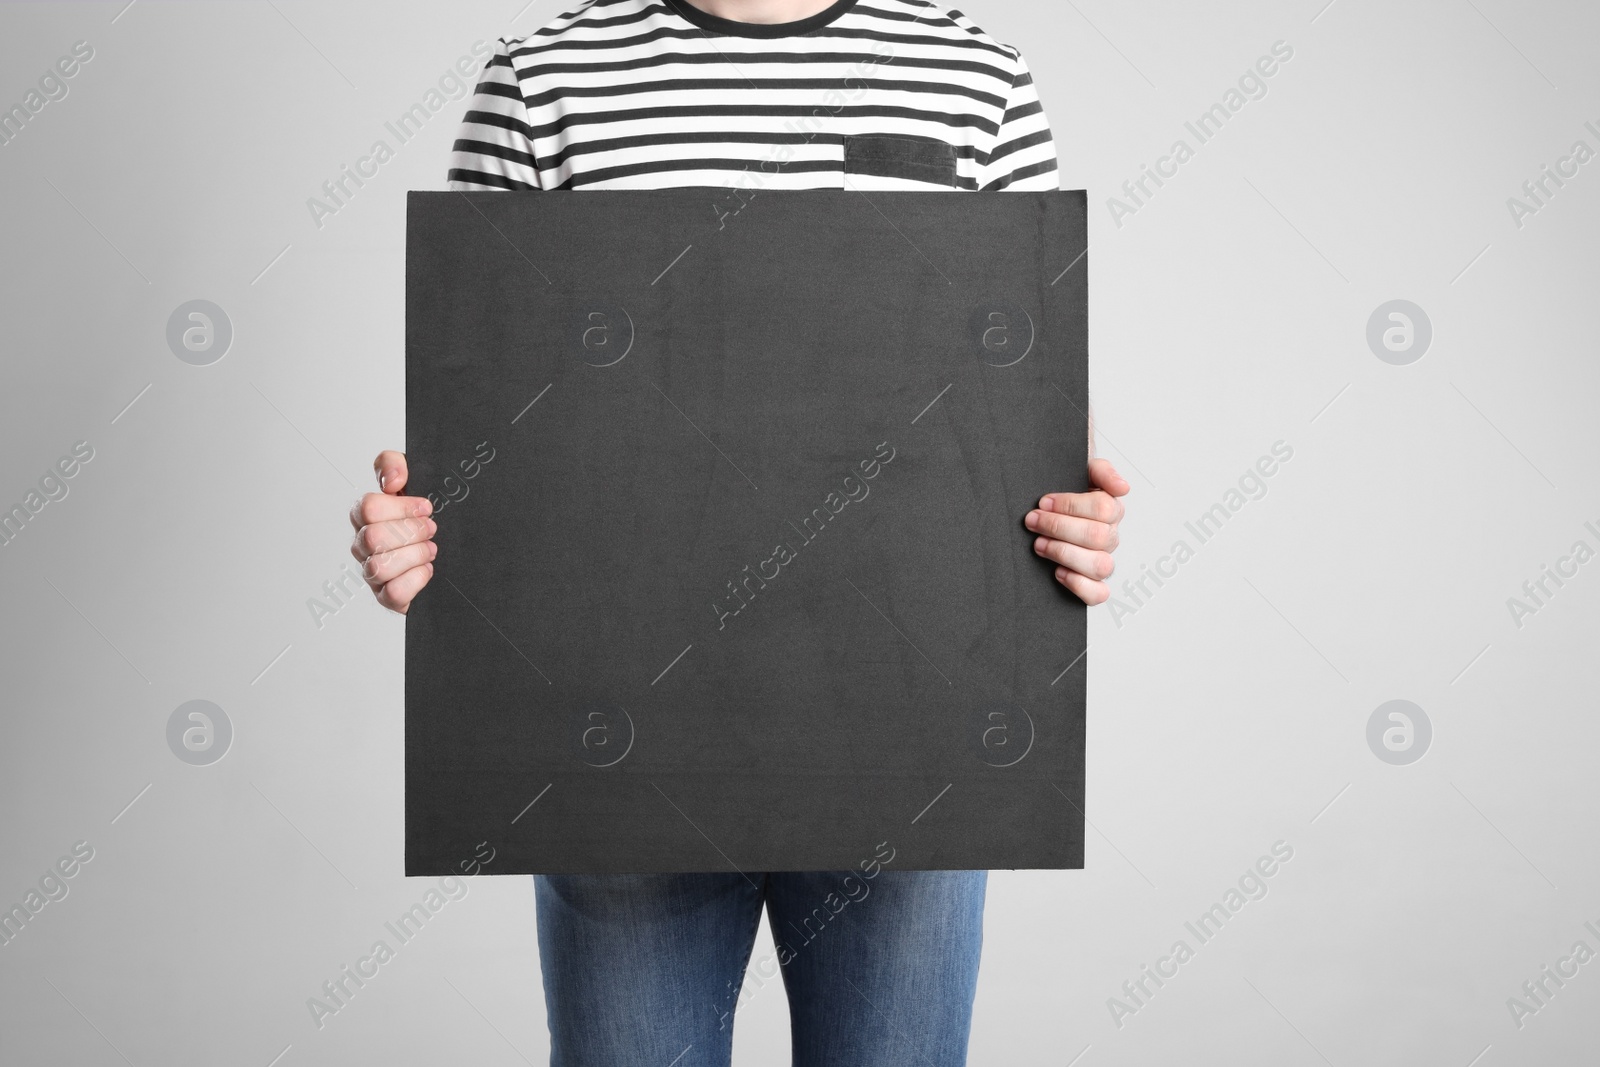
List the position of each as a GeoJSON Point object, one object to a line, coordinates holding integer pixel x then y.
{"type": "Point", "coordinates": [1044, 503]}
{"type": "Point", "coordinates": [1032, 520]}
{"type": "Point", "coordinates": [383, 479]}
{"type": "Point", "coordinates": [420, 507]}
{"type": "Point", "coordinates": [434, 545]}
{"type": "Point", "coordinates": [1039, 545]}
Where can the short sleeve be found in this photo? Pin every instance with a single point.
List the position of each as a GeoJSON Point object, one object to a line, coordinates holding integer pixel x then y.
{"type": "Point", "coordinates": [1024, 153]}
{"type": "Point", "coordinates": [494, 149]}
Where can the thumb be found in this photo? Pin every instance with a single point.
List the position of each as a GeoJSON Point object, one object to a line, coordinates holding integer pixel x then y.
{"type": "Point", "coordinates": [390, 467]}
{"type": "Point", "coordinates": [1105, 477]}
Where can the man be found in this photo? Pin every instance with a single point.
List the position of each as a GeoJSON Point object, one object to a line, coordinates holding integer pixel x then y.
{"type": "Point", "coordinates": [742, 96]}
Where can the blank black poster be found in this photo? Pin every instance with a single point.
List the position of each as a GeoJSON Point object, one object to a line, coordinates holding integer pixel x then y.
{"type": "Point", "coordinates": [732, 569]}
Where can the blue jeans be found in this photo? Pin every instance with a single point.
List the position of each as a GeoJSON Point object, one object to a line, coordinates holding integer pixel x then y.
{"type": "Point", "coordinates": [646, 970]}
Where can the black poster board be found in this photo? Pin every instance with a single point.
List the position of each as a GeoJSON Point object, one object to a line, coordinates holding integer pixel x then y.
{"type": "Point", "coordinates": [732, 573]}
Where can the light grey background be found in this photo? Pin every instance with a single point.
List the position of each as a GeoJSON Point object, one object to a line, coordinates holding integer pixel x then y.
{"type": "Point", "coordinates": [1229, 712]}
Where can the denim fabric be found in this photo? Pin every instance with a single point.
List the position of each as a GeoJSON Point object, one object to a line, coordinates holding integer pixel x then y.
{"type": "Point", "coordinates": [646, 970]}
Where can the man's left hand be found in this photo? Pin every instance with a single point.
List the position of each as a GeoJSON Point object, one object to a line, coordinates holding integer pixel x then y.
{"type": "Point", "coordinates": [1078, 532]}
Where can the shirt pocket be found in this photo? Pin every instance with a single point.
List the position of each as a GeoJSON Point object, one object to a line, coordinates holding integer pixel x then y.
{"type": "Point", "coordinates": [897, 161]}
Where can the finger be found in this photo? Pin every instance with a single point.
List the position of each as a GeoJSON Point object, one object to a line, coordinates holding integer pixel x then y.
{"type": "Point", "coordinates": [380, 507]}
{"type": "Point", "coordinates": [1104, 476]}
{"type": "Point", "coordinates": [388, 536]}
{"type": "Point", "coordinates": [1085, 532]}
{"type": "Point", "coordinates": [1096, 505]}
{"type": "Point", "coordinates": [397, 594]}
{"type": "Point", "coordinates": [383, 567]}
{"type": "Point", "coordinates": [1087, 590]}
{"type": "Point", "coordinates": [390, 467]}
{"type": "Point", "coordinates": [1090, 564]}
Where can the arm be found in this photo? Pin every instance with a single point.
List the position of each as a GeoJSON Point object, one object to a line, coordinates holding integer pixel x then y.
{"type": "Point", "coordinates": [1076, 531]}
{"type": "Point", "coordinates": [1023, 153]}
{"type": "Point", "coordinates": [493, 150]}
{"type": "Point", "coordinates": [494, 147]}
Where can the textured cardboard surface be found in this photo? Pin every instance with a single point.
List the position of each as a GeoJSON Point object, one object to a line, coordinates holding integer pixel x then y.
{"type": "Point", "coordinates": [732, 571]}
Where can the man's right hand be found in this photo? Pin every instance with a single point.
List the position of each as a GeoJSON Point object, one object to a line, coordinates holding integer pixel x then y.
{"type": "Point", "coordinates": [394, 536]}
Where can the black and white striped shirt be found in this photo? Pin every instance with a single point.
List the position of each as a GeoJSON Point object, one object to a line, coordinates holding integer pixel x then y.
{"type": "Point", "coordinates": [651, 94]}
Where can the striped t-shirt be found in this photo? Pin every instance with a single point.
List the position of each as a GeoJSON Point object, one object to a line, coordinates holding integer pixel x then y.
{"type": "Point", "coordinates": [651, 94]}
